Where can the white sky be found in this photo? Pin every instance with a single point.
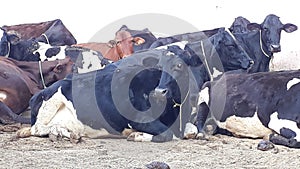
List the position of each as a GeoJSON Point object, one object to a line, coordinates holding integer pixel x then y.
{"type": "Point", "coordinates": [85, 18]}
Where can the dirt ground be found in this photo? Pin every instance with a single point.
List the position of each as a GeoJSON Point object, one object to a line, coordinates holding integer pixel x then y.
{"type": "Point", "coordinates": [218, 152]}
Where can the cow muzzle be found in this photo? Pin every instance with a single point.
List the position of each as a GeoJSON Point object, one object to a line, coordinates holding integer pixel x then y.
{"type": "Point", "coordinates": [275, 48]}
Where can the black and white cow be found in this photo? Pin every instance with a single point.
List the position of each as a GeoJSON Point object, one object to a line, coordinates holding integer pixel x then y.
{"type": "Point", "coordinates": [199, 62]}
{"type": "Point", "coordinates": [263, 40]}
{"type": "Point", "coordinates": [187, 37]}
{"type": "Point", "coordinates": [269, 109]}
{"type": "Point", "coordinates": [114, 98]}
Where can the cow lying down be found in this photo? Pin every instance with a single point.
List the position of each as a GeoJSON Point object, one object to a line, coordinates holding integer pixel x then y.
{"type": "Point", "coordinates": [80, 104]}
{"type": "Point", "coordinates": [260, 105]}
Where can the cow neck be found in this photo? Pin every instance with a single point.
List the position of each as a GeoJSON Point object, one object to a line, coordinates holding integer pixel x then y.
{"type": "Point", "coordinates": [205, 61]}
{"type": "Point", "coordinates": [41, 74]}
{"type": "Point", "coordinates": [261, 45]}
{"type": "Point", "coordinates": [180, 108]}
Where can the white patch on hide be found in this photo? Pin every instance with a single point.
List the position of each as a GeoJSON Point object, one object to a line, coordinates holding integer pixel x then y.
{"type": "Point", "coordinates": [180, 44]}
{"type": "Point", "coordinates": [216, 72]}
{"type": "Point", "coordinates": [3, 96]}
{"type": "Point", "coordinates": [57, 116]}
{"type": "Point", "coordinates": [276, 124]}
{"type": "Point", "coordinates": [43, 47]}
{"type": "Point", "coordinates": [204, 96]}
{"type": "Point", "coordinates": [245, 126]}
{"type": "Point", "coordinates": [90, 62]}
{"type": "Point", "coordinates": [292, 82]}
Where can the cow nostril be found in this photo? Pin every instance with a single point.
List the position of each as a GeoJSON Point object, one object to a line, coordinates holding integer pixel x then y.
{"type": "Point", "coordinates": [161, 92]}
{"type": "Point", "coordinates": [164, 92]}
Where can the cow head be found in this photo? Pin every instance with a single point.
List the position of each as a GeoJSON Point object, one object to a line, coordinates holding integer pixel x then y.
{"type": "Point", "coordinates": [11, 45]}
{"type": "Point", "coordinates": [53, 71]}
{"type": "Point", "coordinates": [239, 25]}
{"type": "Point", "coordinates": [145, 34]}
{"type": "Point", "coordinates": [6, 41]}
{"type": "Point", "coordinates": [228, 50]}
{"type": "Point", "coordinates": [271, 30]}
{"type": "Point", "coordinates": [124, 43]}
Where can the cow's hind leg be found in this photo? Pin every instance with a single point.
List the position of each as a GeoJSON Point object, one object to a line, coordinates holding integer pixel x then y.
{"type": "Point", "coordinates": [9, 117]}
{"type": "Point", "coordinates": [281, 140]}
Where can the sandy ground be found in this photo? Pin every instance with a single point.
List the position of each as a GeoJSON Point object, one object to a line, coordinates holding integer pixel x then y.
{"type": "Point", "coordinates": [217, 152]}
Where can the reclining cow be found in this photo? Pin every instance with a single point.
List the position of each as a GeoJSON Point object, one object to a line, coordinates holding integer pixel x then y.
{"type": "Point", "coordinates": [91, 101]}
{"type": "Point", "coordinates": [269, 109]}
{"type": "Point", "coordinates": [121, 47]}
{"type": "Point", "coordinates": [20, 80]}
{"type": "Point", "coordinates": [52, 32]}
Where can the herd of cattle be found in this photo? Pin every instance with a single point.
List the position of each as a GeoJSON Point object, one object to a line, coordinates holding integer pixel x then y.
{"type": "Point", "coordinates": [149, 88]}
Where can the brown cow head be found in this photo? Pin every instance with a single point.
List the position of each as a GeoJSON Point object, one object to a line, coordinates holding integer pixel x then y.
{"type": "Point", "coordinates": [124, 43]}
{"type": "Point", "coordinates": [53, 71]}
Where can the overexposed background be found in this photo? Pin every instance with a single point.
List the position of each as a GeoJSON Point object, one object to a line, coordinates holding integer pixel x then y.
{"type": "Point", "coordinates": [85, 18]}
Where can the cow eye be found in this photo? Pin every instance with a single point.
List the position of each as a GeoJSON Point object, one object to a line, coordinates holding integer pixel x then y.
{"type": "Point", "coordinates": [179, 66]}
{"type": "Point", "coordinates": [118, 42]}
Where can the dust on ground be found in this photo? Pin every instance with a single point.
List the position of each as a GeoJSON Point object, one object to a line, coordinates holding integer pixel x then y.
{"type": "Point", "coordinates": [218, 152]}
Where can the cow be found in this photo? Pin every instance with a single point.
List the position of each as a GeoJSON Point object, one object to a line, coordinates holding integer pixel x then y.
{"type": "Point", "coordinates": [188, 37]}
{"type": "Point", "coordinates": [194, 66]}
{"type": "Point", "coordinates": [146, 34]}
{"type": "Point", "coordinates": [21, 80]}
{"type": "Point", "coordinates": [32, 50]}
{"type": "Point", "coordinates": [263, 40]}
{"type": "Point", "coordinates": [269, 109]}
{"type": "Point", "coordinates": [120, 47]}
{"type": "Point", "coordinates": [114, 98]}
{"type": "Point", "coordinates": [52, 32]}
{"type": "Point", "coordinates": [239, 25]}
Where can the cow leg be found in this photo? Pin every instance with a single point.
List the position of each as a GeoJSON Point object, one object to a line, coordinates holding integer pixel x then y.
{"type": "Point", "coordinates": [281, 140]}
{"type": "Point", "coordinates": [9, 117]}
{"type": "Point", "coordinates": [154, 131]}
{"type": "Point", "coordinates": [202, 116]}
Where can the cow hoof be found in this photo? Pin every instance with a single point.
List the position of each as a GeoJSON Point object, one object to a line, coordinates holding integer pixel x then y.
{"type": "Point", "coordinates": [265, 145]}
{"type": "Point", "coordinates": [157, 165]}
{"type": "Point", "coordinates": [24, 132]}
{"type": "Point", "coordinates": [190, 131]}
{"type": "Point", "coordinates": [74, 138]}
{"type": "Point", "coordinates": [55, 138]}
{"type": "Point", "coordinates": [202, 136]}
{"type": "Point", "coordinates": [139, 137]}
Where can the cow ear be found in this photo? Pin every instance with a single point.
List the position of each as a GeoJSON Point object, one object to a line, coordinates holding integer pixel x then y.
{"type": "Point", "coordinates": [13, 38]}
{"type": "Point", "coordinates": [289, 27]}
{"type": "Point", "coordinates": [111, 43]}
{"type": "Point", "coordinates": [138, 40]}
{"type": "Point", "coordinates": [123, 27]}
{"type": "Point", "coordinates": [61, 65]}
{"type": "Point", "coordinates": [253, 26]}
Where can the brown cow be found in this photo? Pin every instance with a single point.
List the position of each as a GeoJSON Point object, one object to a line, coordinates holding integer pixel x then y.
{"type": "Point", "coordinates": [116, 49]}
{"type": "Point", "coordinates": [51, 32]}
{"type": "Point", "coordinates": [20, 80]}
